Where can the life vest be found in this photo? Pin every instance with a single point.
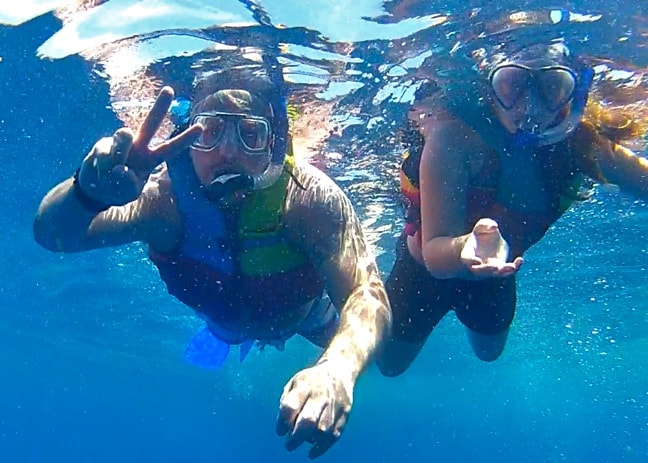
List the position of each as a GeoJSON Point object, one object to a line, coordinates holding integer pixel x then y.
{"type": "Point", "coordinates": [228, 261]}
{"type": "Point", "coordinates": [549, 175]}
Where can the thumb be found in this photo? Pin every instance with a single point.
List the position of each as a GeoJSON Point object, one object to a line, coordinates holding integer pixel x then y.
{"type": "Point", "coordinates": [111, 151]}
{"type": "Point", "coordinates": [178, 144]}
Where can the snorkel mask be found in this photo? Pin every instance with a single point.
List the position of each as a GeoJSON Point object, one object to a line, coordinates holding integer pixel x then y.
{"type": "Point", "coordinates": [558, 82]}
{"type": "Point", "coordinates": [258, 136]}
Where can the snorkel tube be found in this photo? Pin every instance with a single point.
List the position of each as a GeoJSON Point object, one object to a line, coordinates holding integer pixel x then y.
{"type": "Point", "coordinates": [280, 127]}
{"type": "Point", "coordinates": [277, 101]}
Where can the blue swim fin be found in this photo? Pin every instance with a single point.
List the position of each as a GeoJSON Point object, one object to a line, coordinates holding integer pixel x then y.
{"type": "Point", "coordinates": [244, 350]}
{"type": "Point", "coordinates": [206, 351]}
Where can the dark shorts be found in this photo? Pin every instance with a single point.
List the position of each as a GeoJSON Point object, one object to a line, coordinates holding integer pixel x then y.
{"type": "Point", "coordinates": [419, 301]}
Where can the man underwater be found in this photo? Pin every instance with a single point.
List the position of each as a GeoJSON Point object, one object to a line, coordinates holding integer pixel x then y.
{"type": "Point", "coordinates": [259, 244]}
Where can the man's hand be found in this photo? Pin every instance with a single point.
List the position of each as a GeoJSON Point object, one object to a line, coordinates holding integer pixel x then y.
{"type": "Point", "coordinates": [486, 252]}
{"type": "Point", "coordinates": [314, 408]}
{"type": "Point", "coordinates": [117, 167]}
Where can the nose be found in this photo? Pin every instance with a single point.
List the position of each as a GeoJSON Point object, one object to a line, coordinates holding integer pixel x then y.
{"type": "Point", "coordinates": [533, 105]}
{"type": "Point", "coordinates": [230, 145]}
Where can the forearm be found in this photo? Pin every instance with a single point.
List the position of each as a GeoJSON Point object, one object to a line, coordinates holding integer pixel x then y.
{"type": "Point", "coordinates": [61, 223]}
{"type": "Point", "coordinates": [442, 257]}
{"type": "Point", "coordinates": [365, 322]}
{"type": "Point", "coordinates": [624, 168]}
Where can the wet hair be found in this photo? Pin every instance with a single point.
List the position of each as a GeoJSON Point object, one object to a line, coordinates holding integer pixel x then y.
{"type": "Point", "coordinates": [237, 100]}
{"type": "Point", "coordinates": [247, 88]}
{"type": "Point", "coordinates": [554, 52]}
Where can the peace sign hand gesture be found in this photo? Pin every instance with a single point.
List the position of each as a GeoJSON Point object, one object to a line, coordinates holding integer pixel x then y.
{"type": "Point", "coordinates": [117, 168]}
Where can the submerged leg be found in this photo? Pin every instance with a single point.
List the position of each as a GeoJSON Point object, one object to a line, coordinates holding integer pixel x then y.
{"type": "Point", "coordinates": [418, 302]}
{"type": "Point", "coordinates": [487, 347]}
{"type": "Point", "coordinates": [397, 355]}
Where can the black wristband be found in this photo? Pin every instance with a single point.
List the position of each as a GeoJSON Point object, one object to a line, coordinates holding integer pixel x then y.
{"type": "Point", "coordinates": [88, 203]}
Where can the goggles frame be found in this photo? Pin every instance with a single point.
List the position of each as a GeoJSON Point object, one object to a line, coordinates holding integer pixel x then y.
{"type": "Point", "coordinates": [235, 119]}
{"type": "Point", "coordinates": [534, 74]}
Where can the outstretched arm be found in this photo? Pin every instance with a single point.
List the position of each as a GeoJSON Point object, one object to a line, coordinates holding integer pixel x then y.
{"type": "Point", "coordinates": [448, 248]}
{"type": "Point", "coordinates": [316, 402]}
{"type": "Point", "coordinates": [64, 223]}
{"type": "Point", "coordinates": [354, 285]}
{"type": "Point", "coordinates": [622, 167]}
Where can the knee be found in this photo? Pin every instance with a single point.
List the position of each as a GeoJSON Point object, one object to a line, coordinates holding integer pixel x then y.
{"type": "Point", "coordinates": [488, 347]}
{"type": "Point", "coordinates": [489, 355]}
{"type": "Point", "coordinates": [390, 369]}
{"type": "Point", "coordinates": [396, 356]}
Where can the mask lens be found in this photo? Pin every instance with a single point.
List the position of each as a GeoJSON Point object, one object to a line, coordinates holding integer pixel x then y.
{"type": "Point", "coordinates": [507, 83]}
{"type": "Point", "coordinates": [253, 131]}
{"type": "Point", "coordinates": [254, 134]}
{"type": "Point", "coordinates": [556, 86]}
{"type": "Point", "coordinates": [212, 135]}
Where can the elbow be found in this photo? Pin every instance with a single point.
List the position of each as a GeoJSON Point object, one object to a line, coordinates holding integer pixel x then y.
{"type": "Point", "coordinates": [440, 273]}
{"type": "Point", "coordinates": [42, 234]}
{"type": "Point", "coordinates": [441, 258]}
{"type": "Point", "coordinates": [47, 234]}
{"type": "Point", "coordinates": [438, 267]}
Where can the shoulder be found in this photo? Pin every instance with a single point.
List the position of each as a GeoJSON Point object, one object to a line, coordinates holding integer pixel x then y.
{"type": "Point", "coordinates": [317, 212]}
{"type": "Point", "coordinates": [313, 192]}
{"type": "Point", "coordinates": [441, 129]}
{"type": "Point", "coordinates": [314, 181]}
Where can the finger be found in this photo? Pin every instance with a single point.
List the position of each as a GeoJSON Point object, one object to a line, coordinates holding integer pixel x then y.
{"type": "Point", "coordinates": [471, 261]}
{"type": "Point", "coordinates": [125, 186]}
{"type": "Point", "coordinates": [326, 419]}
{"type": "Point", "coordinates": [510, 268]}
{"type": "Point", "coordinates": [295, 440]}
{"type": "Point", "coordinates": [318, 449]}
{"type": "Point", "coordinates": [154, 118]}
{"type": "Point", "coordinates": [330, 430]}
{"type": "Point", "coordinates": [484, 270]}
{"type": "Point", "coordinates": [305, 429]}
{"type": "Point", "coordinates": [518, 262]}
{"type": "Point", "coordinates": [178, 144]}
{"type": "Point", "coordinates": [121, 146]}
{"type": "Point", "coordinates": [339, 425]}
{"type": "Point", "coordinates": [100, 157]}
{"type": "Point", "coordinates": [506, 272]}
{"type": "Point", "coordinates": [289, 408]}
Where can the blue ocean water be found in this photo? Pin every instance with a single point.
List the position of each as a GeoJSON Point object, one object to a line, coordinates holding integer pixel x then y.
{"type": "Point", "coordinates": [91, 345]}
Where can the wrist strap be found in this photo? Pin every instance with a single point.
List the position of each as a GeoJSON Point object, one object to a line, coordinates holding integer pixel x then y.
{"type": "Point", "coordinates": [88, 203]}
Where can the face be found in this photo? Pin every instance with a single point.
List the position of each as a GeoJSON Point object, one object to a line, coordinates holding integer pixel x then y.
{"type": "Point", "coordinates": [527, 115]}
{"type": "Point", "coordinates": [231, 143]}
